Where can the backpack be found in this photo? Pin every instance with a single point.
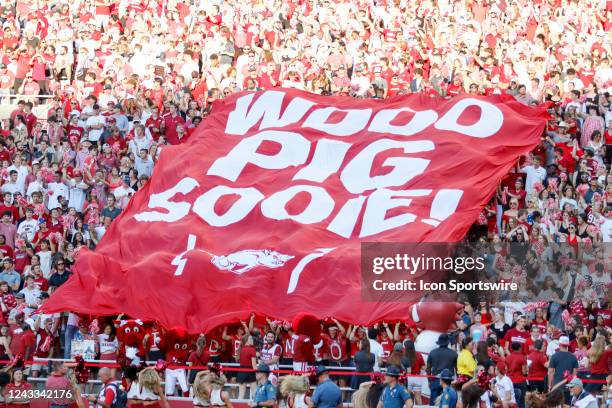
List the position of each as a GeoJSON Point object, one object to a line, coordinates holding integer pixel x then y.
{"type": "Point", "coordinates": [120, 400]}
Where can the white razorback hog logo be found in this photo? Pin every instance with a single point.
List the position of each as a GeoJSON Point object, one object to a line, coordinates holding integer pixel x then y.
{"type": "Point", "coordinates": [243, 261]}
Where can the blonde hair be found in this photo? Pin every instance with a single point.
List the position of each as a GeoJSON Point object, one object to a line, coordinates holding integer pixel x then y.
{"type": "Point", "coordinates": [206, 380]}
{"type": "Point", "coordinates": [293, 384]}
{"type": "Point", "coordinates": [360, 397]}
{"type": "Point", "coordinates": [597, 349]}
{"type": "Point", "coordinates": [149, 379]}
{"type": "Point", "coordinates": [200, 390]}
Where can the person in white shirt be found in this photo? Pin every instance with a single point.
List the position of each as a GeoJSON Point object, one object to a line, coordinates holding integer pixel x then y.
{"type": "Point", "coordinates": [581, 398]}
{"type": "Point", "coordinates": [503, 385]}
{"type": "Point", "coordinates": [606, 230]}
{"type": "Point", "coordinates": [56, 189]}
{"type": "Point", "coordinates": [31, 293]}
{"type": "Point", "coordinates": [123, 193]}
{"type": "Point", "coordinates": [76, 194]}
{"type": "Point", "coordinates": [108, 344]}
{"type": "Point", "coordinates": [36, 186]}
{"type": "Point", "coordinates": [12, 186]}
{"type": "Point", "coordinates": [95, 125]}
{"type": "Point", "coordinates": [21, 169]}
{"type": "Point", "coordinates": [143, 163]}
{"type": "Point", "coordinates": [535, 173]}
{"type": "Point", "coordinates": [376, 348]}
{"type": "Point", "coordinates": [28, 227]}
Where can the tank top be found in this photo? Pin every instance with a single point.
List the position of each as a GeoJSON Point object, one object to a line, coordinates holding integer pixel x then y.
{"type": "Point", "coordinates": [215, 399]}
{"type": "Point", "coordinates": [134, 391]}
{"type": "Point", "coordinates": [299, 401]}
{"type": "Point", "coordinates": [148, 395]}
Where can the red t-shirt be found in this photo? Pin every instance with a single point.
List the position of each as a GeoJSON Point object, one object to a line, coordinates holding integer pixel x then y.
{"type": "Point", "coordinates": [602, 366]}
{"type": "Point", "coordinates": [42, 283]}
{"type": "Point", "coordinates": [417, 364]}
{"type": "Point", "coordinates": [337, 348]}
{"type": "Point", "coordinates": [6, 250]}
{"type": "Point", "coordinates": [246, 355]}
{"type": "Point", "coordinates": [214, 346]}
{"type": "Point", "coordinates": [537, 367]}
{"type": "Point", "coordinates": [7, 80]}
{"type": "Point", "coordinates": [198, 359]}
{"type": "Point", "coordinates": [528, 347]}
{"type": "Point", "coordinates": [21, 340]}
{"type": "Point", "coordinates": [287, 342]}
{"type": "Point", "coordinates": [12, 209]}
{"type": "Point", "coordinates": [45, 344]}
{"type": "Point", "coordinates": [515, 362]}
{"type": "Point", "coordinates": [387, 345]}
{"type": "Point", "coordinates": [170, 123]}
{"type": "Point", "coordinates": [514, 335]}
{"type": "Point", "coordinates": [13, 389]}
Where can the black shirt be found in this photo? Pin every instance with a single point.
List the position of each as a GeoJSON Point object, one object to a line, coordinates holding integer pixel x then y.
{"type": "Point", "coordinates": [562, 361]}
{"type": "Point", "coordinates": [112, 213]}
{"type": "Point", "coordinates": [58, 280]}
{"type": "Point", "coordinates": [364, 362]}
{"type": "Point", "coordinates": [441, 358]}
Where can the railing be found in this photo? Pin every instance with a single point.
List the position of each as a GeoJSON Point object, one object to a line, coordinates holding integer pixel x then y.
{"type": "Point", "coordinates": [9, 102]}
{"type": "Point", "coordinates": [4, 98]}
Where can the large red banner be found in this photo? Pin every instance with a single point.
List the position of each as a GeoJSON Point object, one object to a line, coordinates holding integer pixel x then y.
{"type": "Point", "coordinates": [264, 208]}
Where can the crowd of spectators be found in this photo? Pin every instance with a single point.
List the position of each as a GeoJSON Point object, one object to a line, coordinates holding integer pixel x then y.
{"type": "Point", "coordinates": [119, 79]}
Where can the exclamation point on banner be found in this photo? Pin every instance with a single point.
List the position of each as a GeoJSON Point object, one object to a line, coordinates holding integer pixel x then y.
{"type": "Point", "coordinates": [443, 205]}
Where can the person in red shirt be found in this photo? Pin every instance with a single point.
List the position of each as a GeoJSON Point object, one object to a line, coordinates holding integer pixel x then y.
{"type": "Point", "coordinates": [44, 345]}
{"type": "Point", "coordinates": [517, 334]}
{"type": "Point", "coordinates": [16, 391]}
{"type": "Point", "coordinates": [23, 67]}
{"type": "Point", "coordinates": [39, 279]}
{"type": "Point", "coordinates": [214, 341]}
{"type": "Point", "coordinates": [600, 361]}
{"type": "Point", "coordinates": [171, 121]}
{"type": "Point", "coordinates": [518, 192]}
{"type": "Point", "coordinates": [414, 363]}
{"type": "Point", "coordinates": [198, 358]}
{"type": "Point", "coordinates": [7, 78]}
{"type": "Point", "coordinates": [386, 341]}
{"type": "Point", "coordinates": [540, 320]}
{"type": "Point", "coordinates": [535, 335]}
{"type": "Point", "coordinates": [7, 206]}
{"type": "Point", "coordinates": [270, 76]}
{"type": "Point", "coordinates": [537, 362]}
{"type": "Point", "coordinates": [456, 87]}
{"type": "Point", "coordinates": [20, 108]}
{"type": "Point", "coordinates": [154, 123]}
{"type": "Point", "coordinates": [247, 360]}
{"type": "Point", "coordinates": [73, 129]}
{"type": "Point", "coordinates": [22, 338]}
{"type": "Point", "coordinates": [516, 364]}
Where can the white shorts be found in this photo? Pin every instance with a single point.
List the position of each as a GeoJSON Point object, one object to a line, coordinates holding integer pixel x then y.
{"type": "Point", "coordinates": [172, 377]}
{"type": "Point", "coordinates": [300, 366]}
